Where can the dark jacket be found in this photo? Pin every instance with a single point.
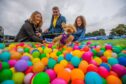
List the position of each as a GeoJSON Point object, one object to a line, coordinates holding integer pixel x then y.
{"type": "Point", "coordinates": [80, 34]}
{"type": "Point", "coordinates": [58, 28]}
{"type": "Point", "coordinates": [27, 33]}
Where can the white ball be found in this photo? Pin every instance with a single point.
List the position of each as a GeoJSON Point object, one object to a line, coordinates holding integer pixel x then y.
{"type": "Point", "coordinates": [27, 78]}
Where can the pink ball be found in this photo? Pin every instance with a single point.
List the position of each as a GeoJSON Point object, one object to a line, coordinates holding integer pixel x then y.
{"type": "Point", "coordinates": [0, 65]}
{"type": "Point", "coordinates": [119, 69]}
{"type": "Point", "coordinates": [87, 56]}
{"type": "Point", "coordinates": [93, 62]}
{"type": "Point", "coordinates": [58, 81]}
{"type": "Point", "coordinates": [12, 63]}
{"type": "Point", "coordinates": [108, 47]}
{"type": "Point", "coordinates": [51, 73]}
{"type": "Point", "coordinates": [76, 47]}
{"type": "Point", "coordinates": [103, 72]}
{"type": "Point", "coordinates": [27, 78]}
{"type": "Point", "coordinates": [50, 45]}
{"type": "Point", "coordinates": [88, 43]}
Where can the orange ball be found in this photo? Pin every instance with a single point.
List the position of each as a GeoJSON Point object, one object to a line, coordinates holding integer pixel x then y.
{"type": "Point", "coordinates": [44, 60]}
{"type": "Point", "coordinates": [38, 67]}
{"type": "Point", "coordinates": [64, 74]}
{"type": "Point", "coordinates": [113, 80]}
{"type": "Point", "coordinates": [77, 81]}
{"type": "Point", "coordinates": [58, 68]}
{"type": "Point", "coordinates": [83, 66]}
{"type": "Point", "coordinates": [77, 74]}
{"type": "Point", "coordinates": [15, 55]}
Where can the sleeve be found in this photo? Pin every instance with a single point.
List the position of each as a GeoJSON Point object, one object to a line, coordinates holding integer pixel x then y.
{"type": "Point", "coordinates": [81, 36]}
{"type": "Point", "coordinates": [63, 19]}
{"type": "Point", "coordinates": [30, 32]}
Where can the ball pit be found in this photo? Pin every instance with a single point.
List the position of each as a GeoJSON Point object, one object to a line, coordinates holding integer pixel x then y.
{"type": "Point", "coordinates": [79, 63]}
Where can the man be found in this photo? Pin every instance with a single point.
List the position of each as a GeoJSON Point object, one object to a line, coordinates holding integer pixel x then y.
{"type": "Point", "coordinates": [56, 22]}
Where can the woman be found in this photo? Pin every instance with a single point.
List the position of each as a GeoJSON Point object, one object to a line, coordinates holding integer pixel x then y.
{"type": "Point", "coordinates": [80, 24]}
{"type": "Point", "coordinates": [31, 29]}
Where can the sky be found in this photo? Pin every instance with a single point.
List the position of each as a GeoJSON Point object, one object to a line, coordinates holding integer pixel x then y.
{"type": "Point", "coordinates": [105, 14]}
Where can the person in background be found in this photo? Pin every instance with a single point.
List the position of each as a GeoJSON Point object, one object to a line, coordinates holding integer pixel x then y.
{"type": "Point", "coordinates": [31, 30]}
{"type": "Point", "coordinates": [80, 24]}
{"type": "Point", "coordinates": [56, 22]}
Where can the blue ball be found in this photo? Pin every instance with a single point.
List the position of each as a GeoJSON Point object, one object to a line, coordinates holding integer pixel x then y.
{"type": "Point", "coordinates": [29, 63]}
{"type": "Point", "coordinates": [60, 58]}
{"type": "Point", "coordinates": [5, 56]}
{"type": "Point", "coordinates": [68, 56]}
{"type": "Point", "coordinates": [75, 61]}
{"type": "Point", "coordinates": [8, 82]}
{"type": "Point", "coordinates": [105, 65]}
{"type": "Point", "coordinates": [122, 61]}
{"type": "Point", "coordinates": [112, 61]}
{"type": "Point", "coordinates": [93, 78]}
{"type": "Point", "coordinates": [2, 45]}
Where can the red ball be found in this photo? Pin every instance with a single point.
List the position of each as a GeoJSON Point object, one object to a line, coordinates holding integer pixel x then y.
{"type": "Point", "coordinates": [92, 67]}
{"type": "Point", "coordinates": [77, 81]}
{"type": "Point", "coordinates": [103, 72]}
{"type": "Point", "coordinates": [29, 70]}
{"type": "Point", "coordinates": [70, 66]}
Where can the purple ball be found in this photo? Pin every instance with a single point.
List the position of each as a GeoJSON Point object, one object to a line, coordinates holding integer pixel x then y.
{"type": "Point", "coordinates": [21, 65]}
{"type": "Point", "coordinates": [87, 56]}
{"type": "Point", "coordinates": [119, 69]}
{"type": "Point", "coordinates": [51, 73]}
{"type": "Point", "coordinates": [25, 58]}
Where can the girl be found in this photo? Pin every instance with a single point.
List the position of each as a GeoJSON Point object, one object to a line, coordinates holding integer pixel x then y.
{"type": "Point", "coordinates": [80, 24]}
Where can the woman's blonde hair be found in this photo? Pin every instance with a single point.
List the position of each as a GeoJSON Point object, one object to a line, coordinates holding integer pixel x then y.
{"type": "Point", "coordinates": [32, 19]}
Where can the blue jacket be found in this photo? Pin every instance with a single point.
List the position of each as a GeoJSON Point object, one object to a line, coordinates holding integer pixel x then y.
{"type": "Point", "coordinates": [80, 34]}
{"type": "Point", "coordinates": [58, 28]}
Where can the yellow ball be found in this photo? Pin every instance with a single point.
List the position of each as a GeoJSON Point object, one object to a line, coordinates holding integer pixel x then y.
{"type": "Point", "coordinates": [40, 49]}
{"type": "Point", "coordinates": [77, 53]}
{"type": "Point", "coordinates": [108, 53]}
{"type": "Point", "coordinates": [13, 70]}
{"type": "Point", "coordinates": [38, 67]}
{"type": "Point", "coordinates": [64, 63]}
{"type": "Point", "coordinates": [98, 60]}
{"type": "Point", "coordinates": [35, 60]}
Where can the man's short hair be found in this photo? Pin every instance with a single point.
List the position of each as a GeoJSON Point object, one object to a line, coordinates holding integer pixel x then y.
{"type": "Point", "coordinates": [55, 8]}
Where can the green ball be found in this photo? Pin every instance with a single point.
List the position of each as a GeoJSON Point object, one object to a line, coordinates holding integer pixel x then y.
{"type": "Point", "coordinates": [5, 74]}
{"type": "Point", "coordinates": [121, 55]}
{"type": "Point", "coordinates": [41, 78]}
{"type": "Point", "coordinates": [36, 54]}
{"type": "Point", "coordinates": [94, 52]}
{"type": "Point", "coordinates": [54, 47]}
{"type": "Point", "coordinates": [58, 53]}
{"type": "Point", "coordinates": [51, 63]}
{"type": "Point", "coordinates": [42, 55]}
{"type": "Point", "coordinates": [124, 79]}
{"type": "Point", "coordinates": [2, 45]}
{"type": "Point", "coordinates": [5, 65]}
{"type": "Point", "coordinates": [26, 50]}
{"type": "Point", "coordinates": [112, 61]}
{"type": "Point", "coordinates": [104, 81]}
{"type": "Point", "coordinates": [117, 49]}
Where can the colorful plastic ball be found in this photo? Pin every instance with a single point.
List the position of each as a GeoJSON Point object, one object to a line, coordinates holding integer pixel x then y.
{"type": "Point", "coordinates": [64, 74]}
{"type": "Point", "coordinates": [93, 78]}
{"type": "Point", "coordinates": [104, 81]}
{"type": "Point", "coordinates": [114, 55]}
{"type": "Point", "coordinates": [98, 60]}
{"type": "Point", "coordinates": [108, 47]}
{"type": "Point", "coordinates": [119, 69]}
{"type": "Point", "coordinates": [27, 78]}
{"type": "Point", "coordinates": [68, 56]}
{"type": "Point", "coordinates": [77, 74]}
{"type": "Point", "coordinates": [51, 73]}
{"type": "Point", "coordinates": [77, 81]}
{"type": "Point", "coordinates": [51, 63]}
{"type": "Point", "coordinates": [87, 56]}
{"type": "Point", "coordinates": [93, 62]}
{"type": "Point", "coordinates": [21, 65]}
{"type": "Point", "coordinates": [5, 65]}
{"type": "Point", "coordinates": [113, 80]}
{"type": "Point", "coordinates": [2, 45]}
{"type": "Point", "coordinates": [27, 50]}
{"type": "Point", "coordinates": [58, 81]}
{"type": "Point", "coordinates": [41, 78]}
{"type": "Point", "coordinates": [36, 54]}
{"type": "Point", "coordinates": [29, 70]}
{"type": "Point", "coordinates": [113, 73]}
{"type": "Point", "coordinates": [70, 66]}
{"type": "Point", "coordinates": [35, 60]}
{"type": "Point", "coordinates": [38, 67]}
{"type": "Point", "coordinates": [18, 77]}
{"type": "Point", "coordinates": [112, 61]}
{"type": "Point", "coordinates": [77, 53]}
{"type": "Point", "coordinates": [0, 65]}
{"type": "Point", "coordinates": [20, 50]}
{"type": "Point", "coordinates": [92, 67]}
{"type": "Point", "coordinates": [64, 63]}
{"type": "Point", "coordinates": [58, 53]}
{"type": "Point", "coordinates": [105, 65]}
{"type": "Point", "coordinates": [5, 74]}
{"type": "Point", "coordinates": [8, 82]}
{"type": "Point", "coordinates": [29, 63]}
{"type": "Point", "coordinates": [44, 60]}
{"type": "Point", "coordinates": [15, 55]}
{"type": "Point", "coordinates": [122, 61]}
{"type": "Point", "coordinates": [123, 79]}
{"type": "Point", "coordinates": [60, 58]}
{"type": "Point", "coordinates": [58, 68]}
{"type": "Point", "coordinates": [108, 53]}
{"type": "Point", "coordinates": [25, 58]}
{"type": "Point", "coordinates": [85, 48]}
{"type": "Point", "coordinates": [104, 59]}
{"type": "Point", "coordinates": [12, 63]}
{"type": "Point", "coordinates": [76, 47]}
{"type": "Point", "coordinates": [42, 55]}
{"type": "Point", "coordinates": [103, 72]}
{"type": "Point", "coordinates": [75, 61]}
{"type": "Point", "coordinates": [117, 49]}
{"type": "Point", "coordinates": [47, 50]}
{"type": "Point", "coordinates": [83, 66]}
{"type": "Point", "coordinates": [5, 56]}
